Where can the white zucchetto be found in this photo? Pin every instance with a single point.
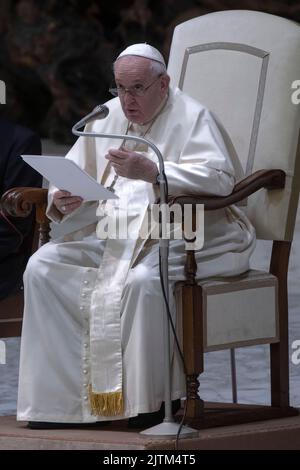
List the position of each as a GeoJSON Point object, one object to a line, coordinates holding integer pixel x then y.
{"type": "Point", "coordinates": [143, 50]}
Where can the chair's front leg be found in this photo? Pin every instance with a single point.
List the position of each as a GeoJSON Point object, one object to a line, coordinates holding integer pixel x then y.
{"type": "Point", "coordinates": [189, 301]}
{"type": "Point", "coordinates": [279, 352]}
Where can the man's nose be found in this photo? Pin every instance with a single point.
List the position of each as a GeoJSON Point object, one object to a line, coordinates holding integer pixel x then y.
{"type": "Point", "coordinates": [128, 97]}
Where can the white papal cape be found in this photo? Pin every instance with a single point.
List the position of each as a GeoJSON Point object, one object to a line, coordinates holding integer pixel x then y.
{"type": "Point", "coordinates": [93, 307]}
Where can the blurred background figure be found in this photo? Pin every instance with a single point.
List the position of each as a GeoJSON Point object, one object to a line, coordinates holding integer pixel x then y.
{"type": "Point", "coordinates": [15, 140]}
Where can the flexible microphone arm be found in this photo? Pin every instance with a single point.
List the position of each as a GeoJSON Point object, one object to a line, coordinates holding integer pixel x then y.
{"type": "Point", "coordinates": [101, 112]}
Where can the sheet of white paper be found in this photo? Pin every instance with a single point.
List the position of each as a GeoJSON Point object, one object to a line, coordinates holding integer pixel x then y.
{"type": "Point", "coordinates": [65, 174]}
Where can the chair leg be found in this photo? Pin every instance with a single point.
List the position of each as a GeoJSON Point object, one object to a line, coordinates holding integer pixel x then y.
{"type": "Point", "coordinates": [279, 352]}
{"type": "Point", "coordinates": [233, 375]}
{"type": "Point", "coordinates": [190, 296]}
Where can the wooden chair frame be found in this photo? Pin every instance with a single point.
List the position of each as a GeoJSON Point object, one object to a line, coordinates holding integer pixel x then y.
{"type": "Point", "coordinates": [190, 294]}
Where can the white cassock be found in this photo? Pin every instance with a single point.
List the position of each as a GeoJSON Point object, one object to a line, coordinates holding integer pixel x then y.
{"type": "Point", "coordinates": [93, 319]}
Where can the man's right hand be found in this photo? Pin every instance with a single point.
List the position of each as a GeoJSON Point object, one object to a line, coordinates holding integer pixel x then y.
{"type": "Point", "coordinates": [65, 202]}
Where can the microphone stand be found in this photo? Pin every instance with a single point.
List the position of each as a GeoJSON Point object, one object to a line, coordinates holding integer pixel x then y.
{"type": "Point", "coordinates": [168, 428]}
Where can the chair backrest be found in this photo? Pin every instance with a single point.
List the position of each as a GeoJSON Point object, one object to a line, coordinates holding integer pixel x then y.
{"type": "Point", "coordinates": [242, 66]}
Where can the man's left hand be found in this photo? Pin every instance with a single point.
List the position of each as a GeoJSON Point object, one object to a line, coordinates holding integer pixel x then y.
{"type": "Point", "coordinates": [132, 165]}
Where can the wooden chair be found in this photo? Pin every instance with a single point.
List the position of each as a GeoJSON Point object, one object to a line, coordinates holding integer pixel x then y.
{"type": "Point", "coordinates": [241, 65]}
{"type": "Point", "coordinates": [234, 63]}
{"type": "Point", "coordinates": [19, 202]}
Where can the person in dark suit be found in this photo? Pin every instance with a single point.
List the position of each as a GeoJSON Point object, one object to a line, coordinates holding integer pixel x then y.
{"type": "Point", "coordinates": [15, 140]}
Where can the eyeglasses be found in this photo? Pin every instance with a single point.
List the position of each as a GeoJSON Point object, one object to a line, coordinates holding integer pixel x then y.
{"type": "Point", "coordinates": [136, 90]}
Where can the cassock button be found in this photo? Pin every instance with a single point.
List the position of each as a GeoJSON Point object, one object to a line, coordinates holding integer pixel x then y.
{"type": "Point", "coordinates": [85, 371]}
{"type": "Point", "coordinates": [85, 345]}
{"type": "Point", "coordinates": [85, 398]}
{"type": "Point", "coordinates": [85, 282]}
{"type": "Point", "coordinates": [83, 295]}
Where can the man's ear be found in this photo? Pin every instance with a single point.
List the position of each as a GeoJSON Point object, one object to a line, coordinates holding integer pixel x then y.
{"type": "Point", "coordinates": [164, 83]}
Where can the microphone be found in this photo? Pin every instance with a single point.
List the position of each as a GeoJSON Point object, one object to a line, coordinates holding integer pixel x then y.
{"type": "Point", "coordinates": [100, 112]}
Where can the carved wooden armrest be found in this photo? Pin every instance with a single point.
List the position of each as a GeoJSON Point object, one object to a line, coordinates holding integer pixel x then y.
{"type": "Point", "coordinates": [268, 179]}
{"type": "Point", "coordinates": [19, 202]}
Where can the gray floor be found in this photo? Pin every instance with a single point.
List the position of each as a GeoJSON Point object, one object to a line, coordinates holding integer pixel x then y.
{"type": "Point", "coordinates": [252, 363]}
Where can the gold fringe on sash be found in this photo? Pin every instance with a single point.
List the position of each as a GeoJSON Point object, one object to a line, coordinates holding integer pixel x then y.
{"type": "Point", "coordinates": [106, 404]}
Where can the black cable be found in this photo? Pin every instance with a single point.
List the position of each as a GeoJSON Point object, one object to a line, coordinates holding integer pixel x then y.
{"type": "Point", "coordinates": [166, 183]}
{"type": "Point", "coordinates": [162, 283]}
{"type": "Point", "coordinates": [178, 348]}
{"type": "Point", "coordinates": [169, 314]}
{"type": "Point", "coordinates": [171, 321]}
